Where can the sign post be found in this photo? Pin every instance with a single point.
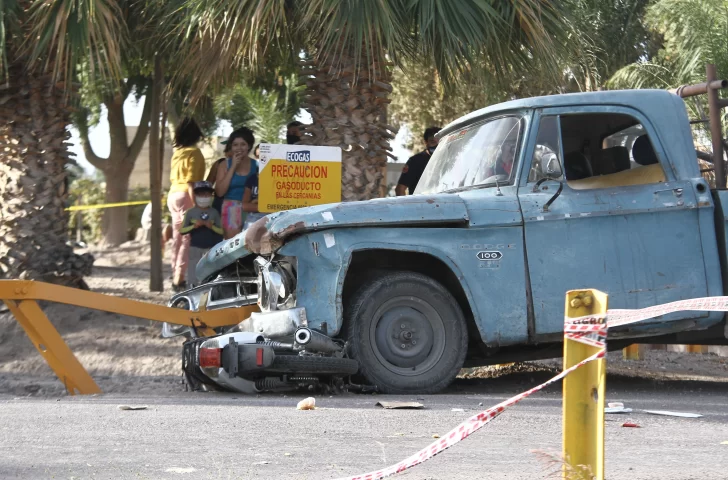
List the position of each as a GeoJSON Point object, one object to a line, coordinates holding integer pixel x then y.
{"type": "Point", "coordinates": [295, 176]}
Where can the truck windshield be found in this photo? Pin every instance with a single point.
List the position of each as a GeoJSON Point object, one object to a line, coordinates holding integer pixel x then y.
{"type": "Point", "coordinates": [478, 155]}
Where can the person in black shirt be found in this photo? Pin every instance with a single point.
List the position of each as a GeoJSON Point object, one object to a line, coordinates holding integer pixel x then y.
{"type": "Point", "coordinates": [414, 167]}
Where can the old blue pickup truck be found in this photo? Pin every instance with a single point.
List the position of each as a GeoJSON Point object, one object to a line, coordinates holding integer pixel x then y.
{"type": "Point", "coordinates": [520, 202]}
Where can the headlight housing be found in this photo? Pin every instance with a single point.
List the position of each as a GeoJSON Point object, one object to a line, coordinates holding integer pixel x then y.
{"type": "Point", "coordinates": [276, 284]}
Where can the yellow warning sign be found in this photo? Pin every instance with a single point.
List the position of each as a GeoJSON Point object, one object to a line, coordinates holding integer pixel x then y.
{"type": "Point", "coordinates": [294, 176]}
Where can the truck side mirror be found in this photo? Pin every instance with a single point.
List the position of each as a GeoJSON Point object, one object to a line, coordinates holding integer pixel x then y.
{"type": "Point", "coordinates": [551, 167]}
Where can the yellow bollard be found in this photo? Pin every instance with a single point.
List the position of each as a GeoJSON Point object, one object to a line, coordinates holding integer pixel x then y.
{"type": "Point", "coordinates": [584, 391]}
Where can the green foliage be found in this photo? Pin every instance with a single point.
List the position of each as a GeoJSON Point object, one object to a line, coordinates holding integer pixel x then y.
{"type": "Point", "coordinates": [694, 34]}
{"type": "Point", "coordinates": [266, 109]}
{"type": "Point", "coordinates": [9, 12]}
{"type": "Point", "coordinates": [86, 191]}
{"type": "Point", "coordinates": [420, 100]}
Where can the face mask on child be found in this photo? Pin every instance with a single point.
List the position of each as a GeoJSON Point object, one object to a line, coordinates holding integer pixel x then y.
{"type": "Point", "coordinates": [203, 202]}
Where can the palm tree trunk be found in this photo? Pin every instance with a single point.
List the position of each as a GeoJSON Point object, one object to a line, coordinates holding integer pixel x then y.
{"type": "Point", "coordinates": [33, 187]}
{"type": "Point", "coordinates": [349, 111]}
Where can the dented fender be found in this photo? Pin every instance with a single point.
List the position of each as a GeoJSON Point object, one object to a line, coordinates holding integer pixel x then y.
{"type": "Point", "coordinates": [269, 234]}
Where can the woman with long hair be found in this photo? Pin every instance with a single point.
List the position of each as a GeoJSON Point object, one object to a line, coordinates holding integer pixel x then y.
{"type": "Point", "coordinates": [188, 167]}
{"type": "Point", "coordinates": [231, 178]}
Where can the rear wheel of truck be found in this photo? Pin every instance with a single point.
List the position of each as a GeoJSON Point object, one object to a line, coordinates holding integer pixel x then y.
{"type": "Point", "coordinates": [407, 332]}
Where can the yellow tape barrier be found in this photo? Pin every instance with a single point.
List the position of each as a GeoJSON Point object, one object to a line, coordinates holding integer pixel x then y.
{"type": "Point", "coordinates": [76, 208]}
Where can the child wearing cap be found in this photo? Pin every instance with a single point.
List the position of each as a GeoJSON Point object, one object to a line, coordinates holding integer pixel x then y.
{"type": "Point", "coordinates": [204, 226]}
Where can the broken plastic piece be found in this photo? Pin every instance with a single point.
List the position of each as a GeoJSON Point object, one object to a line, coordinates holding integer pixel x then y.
{"type": "Point", "coordinates": [131, 407]}
{"type": "Point", "coordinates": [617, 410]}
{"type": "Point", "coordinates": [674, 414]}
{"type": "Point", "coordinates": [632, 425]}
{"type": "Point", "coordinates": [392, 405]}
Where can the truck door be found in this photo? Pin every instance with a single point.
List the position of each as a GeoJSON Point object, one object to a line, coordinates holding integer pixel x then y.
{"type": "Point", "coordinates": [602, 208]}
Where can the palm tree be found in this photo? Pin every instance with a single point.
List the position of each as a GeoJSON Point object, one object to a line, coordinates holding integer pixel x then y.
{"type": "Point", "coordinates": [36, 110]}
{"type": "Point", "coordinates": [349, 47]}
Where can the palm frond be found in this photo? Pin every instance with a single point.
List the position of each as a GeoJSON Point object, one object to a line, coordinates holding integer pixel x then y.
{"type": "Point", "coordinates": [502, 35]}
{"type": "Point", "coordinates": [365, 31]}
{"type": "Point", "coordinates": [63, 33]}
{"type": "Point", "coordinates": [642, 75]}
{"type": "Point", "coordinates": [216, 39]}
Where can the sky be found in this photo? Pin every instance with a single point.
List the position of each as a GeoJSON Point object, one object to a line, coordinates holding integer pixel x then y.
{"type": "Point", "coordinates": [99, 135]}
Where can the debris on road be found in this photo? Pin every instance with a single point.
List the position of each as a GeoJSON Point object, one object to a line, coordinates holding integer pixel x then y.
{"type": "Point", "coordinates": [616, 407]}
{"type": "Point", "coordinates": [393, 405]}
{"type": "Point", "coordinates": [457, 410]}
{"type": "Point", "coordinates": [307, 404]}
{"type": "Point", "coordinates": [436, 436]}
{"type": "Point", "coordinates": [632, 425]}
{"type": "Point", "coordinates": [673, 414]}
{"type": "Point", "coordinates": [132, 407]}
{"type": "Point", "coordinates": [264, 462]}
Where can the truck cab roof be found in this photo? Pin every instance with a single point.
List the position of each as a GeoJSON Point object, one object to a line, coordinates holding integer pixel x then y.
{"type": "Point", "coordinates": [652, 102]}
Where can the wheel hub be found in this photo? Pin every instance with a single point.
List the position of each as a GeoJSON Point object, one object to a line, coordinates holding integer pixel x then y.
{"type": "Point", "coordinates": [404, 337]}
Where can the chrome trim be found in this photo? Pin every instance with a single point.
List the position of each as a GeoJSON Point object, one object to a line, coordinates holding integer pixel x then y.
{"type": "Point", "coordinates": [199, 297]}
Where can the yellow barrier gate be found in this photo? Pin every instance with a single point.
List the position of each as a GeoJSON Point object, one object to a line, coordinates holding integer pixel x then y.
{"type": "Point", "coordinates": [21, 298]}
{"type": "Point", "coordinates": [584, 391]}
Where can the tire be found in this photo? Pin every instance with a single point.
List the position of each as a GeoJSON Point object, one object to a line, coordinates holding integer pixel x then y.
{"type": "Point", "coordinates": [407, 332]}
{"type": "Point", "coordinates": [313, 365]}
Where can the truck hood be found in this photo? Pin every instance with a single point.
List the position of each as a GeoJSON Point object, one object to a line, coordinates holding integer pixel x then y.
{"type": "Point", "coordinates": [268, 234]}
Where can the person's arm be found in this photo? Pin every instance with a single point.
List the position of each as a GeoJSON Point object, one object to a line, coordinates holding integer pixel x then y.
{"type": "Point", "coordinates": [187, 225]}
{"type": "Point", "coordinates": [212, 175]}
{"type": "Point", "coordinates": [216, 222]}
{"type": "Point", "coordinates": [248, 205]}
{"type": "Point", "coordinates": [404, 181]}
{"type": "Point", "coordinates": [225, 176]}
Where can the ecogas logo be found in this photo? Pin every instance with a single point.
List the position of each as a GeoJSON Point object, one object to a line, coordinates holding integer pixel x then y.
{"type": "Point", "coordinates": [300, 156]}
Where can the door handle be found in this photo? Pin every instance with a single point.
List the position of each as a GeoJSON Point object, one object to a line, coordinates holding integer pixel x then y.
{"type": "Point", "coordinates": [675, 191]}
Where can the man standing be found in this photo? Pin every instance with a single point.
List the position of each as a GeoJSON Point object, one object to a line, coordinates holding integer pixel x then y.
{"type": "Point", "coordinates": [414, 167]}
{"type": "Point", "coordinates": [293, 132]}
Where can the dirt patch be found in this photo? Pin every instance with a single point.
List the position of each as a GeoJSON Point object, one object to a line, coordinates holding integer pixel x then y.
{"type": "Point", "coordinates": [128, 355]}
{"type": "Point", "coordinates": [122, 354]}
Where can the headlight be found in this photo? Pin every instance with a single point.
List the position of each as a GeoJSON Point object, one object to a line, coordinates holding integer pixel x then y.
{"type": "Point", "coordinates": [276, 285]}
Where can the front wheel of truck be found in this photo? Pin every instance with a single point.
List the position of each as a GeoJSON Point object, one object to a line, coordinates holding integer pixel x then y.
{"type": "Point", "coordinates": [407, 332]}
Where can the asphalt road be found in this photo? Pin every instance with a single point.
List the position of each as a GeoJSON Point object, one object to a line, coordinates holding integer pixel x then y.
{"type": "Point", "coordinates": [228, 436]}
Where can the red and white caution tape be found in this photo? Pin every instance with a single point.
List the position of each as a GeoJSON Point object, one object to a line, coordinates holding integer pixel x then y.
{"type": "Point", "coordinates": [591, 330]}
{"type": "Point", "coordinates": [706, 304]}
{"type": "Point", "coordinates": [583, 332]}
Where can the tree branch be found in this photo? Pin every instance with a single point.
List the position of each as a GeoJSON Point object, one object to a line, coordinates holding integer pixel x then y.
{"type": "Point", "coordinates": [142, 132]}
{"type": "Point", "coordinates": [88, 152]}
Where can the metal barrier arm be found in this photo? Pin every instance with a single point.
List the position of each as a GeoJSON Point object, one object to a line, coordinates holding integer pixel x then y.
{"type": "Point", "coordinates": [21, 298]}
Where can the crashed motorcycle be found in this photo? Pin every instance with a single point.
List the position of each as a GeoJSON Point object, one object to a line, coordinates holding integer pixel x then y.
{"type": "Point", "coordinates": [272, 350]}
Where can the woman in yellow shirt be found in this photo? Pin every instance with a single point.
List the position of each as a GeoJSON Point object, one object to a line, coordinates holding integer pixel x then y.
{"type": "Point", "coordinates": [188, 167]}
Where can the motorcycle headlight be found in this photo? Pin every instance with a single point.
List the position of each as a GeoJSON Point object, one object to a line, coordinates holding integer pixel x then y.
{"type": "Point", "coordinates": [276, 283]}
